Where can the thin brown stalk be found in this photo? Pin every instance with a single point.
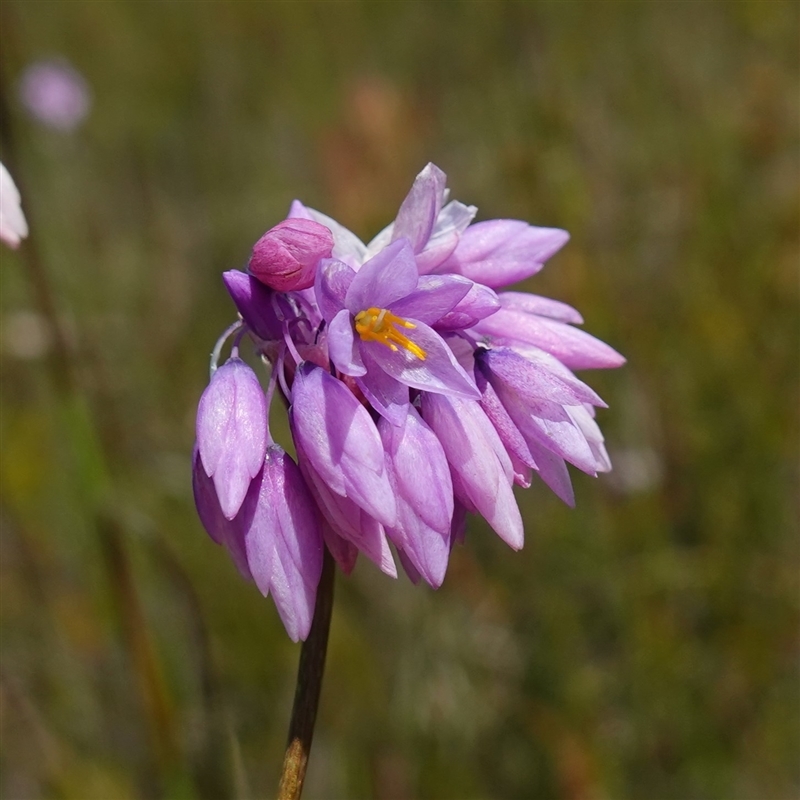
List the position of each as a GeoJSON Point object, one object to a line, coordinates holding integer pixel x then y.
{"type": "Point", "coordinates": [309, 685]}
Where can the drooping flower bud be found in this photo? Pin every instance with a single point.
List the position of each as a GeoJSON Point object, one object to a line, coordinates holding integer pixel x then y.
{"type": "Point", "coordinates": [285, 258]}
{"type": "Point", "coordinates": [283, 540]}
{"type": "Point", "coordinates": [232, 432]}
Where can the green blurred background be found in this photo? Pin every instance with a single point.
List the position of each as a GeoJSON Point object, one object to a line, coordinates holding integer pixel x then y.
{"type": "Point", "coordinates": [642, 646]}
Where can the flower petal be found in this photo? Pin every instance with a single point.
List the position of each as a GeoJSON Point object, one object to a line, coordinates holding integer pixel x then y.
{"type": "Point", "coordinates": [438, 372]}
{"type": "Point", "coordinates": [575, 348]}
{"type": "Point", "coordinates": [509, 433]}
{"type": "Point", "coordinates": [223, 531]}
{"type": "Point", "coordinates": [477, 456]}
{"type": "Point", "coordinates": [553, 471]}
{"type": "Point", "coordinates": [562, 437]}
{"type": "Point", "coordinates": [532, 381]}
{"type": "Point", "coordinates": [346, 245]}
{"type": "Point", "coordinates": [435, 296]}
{"type": "Point", "coordinates": [418, 462]}
{"type": "Point", "coordinates": [582, 417]}
{"type": "Point", "coordinates": [334, 278]}
{"type": "Point", "coordinates": [479, 303]}
{"type": "Point", "coordinates": [384, 279]}
{"type": "Point", "coordinates": [232, 432]}
{"type": "Point", "coordinates": [254, 302]}
{"type": "Point", "coordinates": [418, 212]}
{"type": "Point", "coordinates": [543, 306]}
{"type": "Point", "coordinates": [343, 345]}
{"type": "Point", "coordinates": [344, 553]}
{"type": "Point", "coordinates": [408, 566]}
{"type": "Point", "coordinates": [452, 221]}
{"type": "Point", "coordinates": [348, 521]}
{"type": "Point", "coordinates": [283, 541]}
{"type": "Point", "coordinates": [503, 251]}
{"type": "Point", "coordinates": [341, 441]}
{"type": "Point", "coordinates": [421, 479]}
{"type": "Point", "coordinates": [386, 395]}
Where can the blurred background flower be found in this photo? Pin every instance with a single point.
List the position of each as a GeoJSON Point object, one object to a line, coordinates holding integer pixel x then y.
{"type": "Point", "coordinates": [55, 94]}
{"type": "Point", "coordinates": [642, 645]}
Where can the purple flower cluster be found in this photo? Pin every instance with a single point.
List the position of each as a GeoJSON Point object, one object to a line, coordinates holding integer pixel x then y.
{"type": "Point", "coordinates": [416, 393]}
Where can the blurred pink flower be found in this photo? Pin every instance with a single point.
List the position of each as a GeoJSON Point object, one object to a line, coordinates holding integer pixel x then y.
{"type": "Point", "coordinates": [13, 227]}
{"type": "Point", "coordinates": [55, 93]}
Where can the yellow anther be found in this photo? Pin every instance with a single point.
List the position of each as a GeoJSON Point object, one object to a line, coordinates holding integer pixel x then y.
{"type": "Point", "coordinates": [380, 325]}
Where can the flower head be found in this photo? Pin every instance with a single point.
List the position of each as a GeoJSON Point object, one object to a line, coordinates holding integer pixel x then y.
{"type": "Point", "coordinates": [416, 393]}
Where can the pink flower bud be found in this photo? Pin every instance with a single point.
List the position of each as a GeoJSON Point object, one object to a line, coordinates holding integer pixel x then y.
{"type": "Point", "coordinates": [285, 258]}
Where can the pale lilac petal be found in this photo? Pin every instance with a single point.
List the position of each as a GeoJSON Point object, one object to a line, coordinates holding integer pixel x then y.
{"type": "Point", "coordinates": [479, 303]}
{"type": "Point", "coordinates": [452, 221]}
{"type": "Point", "coordinates": [419, 465]}
{"type": "Point", "coordinates": [334, 278]}
{"type": "Point", "coordinates": [509, 433]}
{"type": "Point", "coordinates": [532, 381]}
{"type": "Point", "coordinates": [384, 279]}
{"type": "Point", "coordinates": [575, 348]}
{"type": "Point", "coordinates": [386, 395]}
{"type": "Point", "coordinates": [419, 210]}
{"type": "Point", "coordinates": [348, 521]}
{"type": "Point", "coordinates": [543, 306]}
{"type": "Point", "coordinates": [553, 471]}
{"type": "Point", "coordinates": [283, 541]}
{"type": "Point", "coordinates": [563, 437]}
{"type": "Point", "coordinates": [408, 567]}
{"type": "Point", "coordinates": [232, 432]}
{"type": "Point", "coordinates": [461, 495]}
{"type": "Point", "coordinates": [13, 227]}
{"type": "Point", "coordinates": [206, 501]}
{"type": "Point", "coordinates": [551, 363]}
{"type": "Point", "coordinates": [383, 239]}
{"type": "Point", "coordinates": [523, 474]}
{"type": "Point", "coordinates": [582, 417]}
{"type": "Point", "coordinates": [344, 553]}
{"type": "Point", "coordinates": [426, 549]}
{"type": "Point", "coordinates": [477, 456]}
{"type": "Point", "coordinates": [342, 345]}
{"type": "Point", "coordinates": [298, 211]}
{"type": "Point", "coordinates": [544, 422]}
{"type": "Point", "coordinates": [341, 441]}
{"type": "Point", "coordinates": [458, 530]}
{"type": "Point", "coordinates": [346, 245]}
{"type": "Point", "coordinates": [486, 238]}
{"type": "Point", "coordinates": [500, 252]}
{"type": "Point", "coordinates": [253, 301]}
{"type": "Point", "coordinates": [223, 531]}
{"type": "Point", "coordinates": [437, 372]}
{"type": "Point", "coordinates": [434, 297]}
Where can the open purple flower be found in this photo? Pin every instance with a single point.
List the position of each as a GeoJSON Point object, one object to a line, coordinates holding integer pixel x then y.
{"type": "Point", "coordinates": [379, 328]}
{"type": "Point", "coordinates": [416, 394]}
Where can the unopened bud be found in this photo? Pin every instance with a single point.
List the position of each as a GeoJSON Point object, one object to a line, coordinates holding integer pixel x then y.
{"type": "Point", "coordinates": [285, 258]}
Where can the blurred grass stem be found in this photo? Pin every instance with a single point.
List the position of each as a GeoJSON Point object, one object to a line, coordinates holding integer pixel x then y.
{"type": "Point", "coordinates": [89, 451]}
{"type": "Point", "coordinates": [309, 685]}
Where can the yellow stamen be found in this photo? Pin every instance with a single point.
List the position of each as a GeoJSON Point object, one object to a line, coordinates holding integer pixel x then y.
{"type": "Point", "coordinates": [380, 325]}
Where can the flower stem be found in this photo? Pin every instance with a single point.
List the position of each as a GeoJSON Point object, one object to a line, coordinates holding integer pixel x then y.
{"type": "Point", "coordinates": [309, 684]}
